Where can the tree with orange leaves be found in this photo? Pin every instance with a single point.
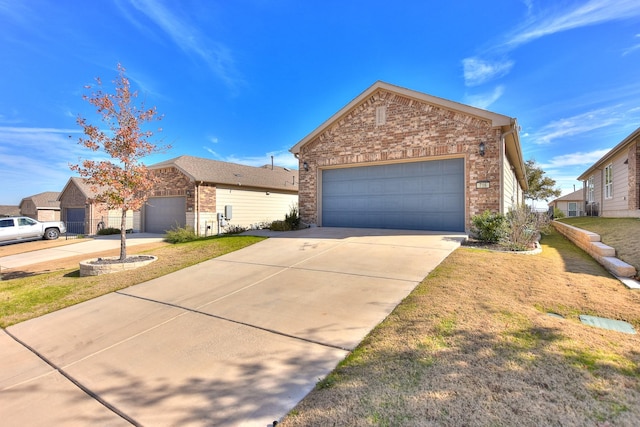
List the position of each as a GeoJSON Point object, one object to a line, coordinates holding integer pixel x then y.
{"type": "Point", "coordinates": [122, 182]}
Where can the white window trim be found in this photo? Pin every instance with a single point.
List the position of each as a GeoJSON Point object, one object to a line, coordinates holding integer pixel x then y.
{"type": "Point", "coordinates": [608, 181]}
{"type": "Point", "coordinates": [591, 189]}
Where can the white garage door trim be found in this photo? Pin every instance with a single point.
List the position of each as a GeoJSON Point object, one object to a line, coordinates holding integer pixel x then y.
{"type": "Point", "coordinates": [423, 195]}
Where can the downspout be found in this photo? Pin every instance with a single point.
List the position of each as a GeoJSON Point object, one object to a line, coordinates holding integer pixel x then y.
{"type": "Point", "coordinates": [197, 207]}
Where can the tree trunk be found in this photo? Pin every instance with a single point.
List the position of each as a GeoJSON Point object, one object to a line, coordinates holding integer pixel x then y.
{"type": "Point", "coordinates": [123, 236]}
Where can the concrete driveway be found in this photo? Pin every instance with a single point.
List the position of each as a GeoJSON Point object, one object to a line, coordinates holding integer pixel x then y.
{"type": "Point", "coordinates": [237, 340]}
{"type": "Point", "coordinates": [83, 247]}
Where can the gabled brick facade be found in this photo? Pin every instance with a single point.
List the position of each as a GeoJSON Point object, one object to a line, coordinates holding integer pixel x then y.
{"type": "Point", "coordinates": [388, 126]}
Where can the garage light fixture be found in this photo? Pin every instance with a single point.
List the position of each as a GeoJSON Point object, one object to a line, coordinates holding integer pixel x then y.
{"type": "Point", "coordinates": [482, 147]}
{"type": "Point", "coordinates": [305, 166]}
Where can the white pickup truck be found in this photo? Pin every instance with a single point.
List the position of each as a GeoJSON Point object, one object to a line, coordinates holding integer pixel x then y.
{"type": "Point", "coordinates": [24, 228]}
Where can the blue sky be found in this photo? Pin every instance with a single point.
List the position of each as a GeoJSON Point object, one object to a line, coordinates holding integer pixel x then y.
{"type": "Point", "coordinates": [245, 80]}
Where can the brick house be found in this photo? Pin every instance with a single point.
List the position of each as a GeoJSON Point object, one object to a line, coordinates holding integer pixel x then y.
{"type": "Point", "coordinates": [83, 215]}
{"type": "Point", "coordinates": [397, 158]}
{"type": "Point", "coordinates": [192, 191]}
{"type": "Point", "coordinates": [42, 207]}
{"type": "Point", "coordinates": [612, 184]}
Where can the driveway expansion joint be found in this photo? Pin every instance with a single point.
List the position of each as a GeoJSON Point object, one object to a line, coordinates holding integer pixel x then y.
{"type": "Point", "coordinates": [74, 381]}
{"type": "Point", "coordinates": [237, 322]}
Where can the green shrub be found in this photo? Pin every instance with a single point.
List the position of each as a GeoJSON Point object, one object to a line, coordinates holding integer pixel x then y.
{"type": "Point", "coordinates": [557, 213]}
{"type": "Point", "coordinates": [181, 235]}
{"type": "Point", "coordinates": [108, 231]}
{"type": "Point", "coordinates": [488, 227]}
{"type": "Point", "coordinates": [280, 226]}
{"type": "Point", "coordinates": [292, 218]}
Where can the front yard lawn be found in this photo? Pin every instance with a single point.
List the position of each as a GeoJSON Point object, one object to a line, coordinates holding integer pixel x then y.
{"type": "Point", "coordinates": [474, 345]}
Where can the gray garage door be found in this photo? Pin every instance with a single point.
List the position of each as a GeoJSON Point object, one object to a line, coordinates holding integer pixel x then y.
{"type": "Point", "coordinates": [164, 213]}
{"type": "Point", "coordinates": [414, 196]}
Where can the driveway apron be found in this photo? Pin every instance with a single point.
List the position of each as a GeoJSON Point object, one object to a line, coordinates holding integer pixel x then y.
{"type": "Point", "coordinates": [237, 340]}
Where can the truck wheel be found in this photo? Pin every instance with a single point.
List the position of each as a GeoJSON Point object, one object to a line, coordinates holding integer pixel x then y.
{"type": "Point", "coordinates": [51, 233]}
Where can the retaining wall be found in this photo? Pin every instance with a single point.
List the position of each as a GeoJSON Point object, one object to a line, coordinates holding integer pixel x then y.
{"type": "Point", "coordinates": [591, 244]}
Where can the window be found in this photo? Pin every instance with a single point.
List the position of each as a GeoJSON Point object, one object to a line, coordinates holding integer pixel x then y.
{"type": "Point", "coordinates": [590, 190]}
{"type": "Point", "coordinates": [572, 209]}
{"type": "Point", "coordinates": [6, 223]}
{"type": "Point", "coordinates": [608, 182]}
{"type": "Point", "coordinates": [26, 221]}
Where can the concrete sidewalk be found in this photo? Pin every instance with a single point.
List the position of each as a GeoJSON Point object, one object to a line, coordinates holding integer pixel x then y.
{"type": "Point", "coordinates": [83, 247]}
{"type": "Point", "coordinates": [237, 340]}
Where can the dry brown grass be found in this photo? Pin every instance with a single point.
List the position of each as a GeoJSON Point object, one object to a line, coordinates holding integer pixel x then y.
{"type": "Point", "coordinates": [474, 345]}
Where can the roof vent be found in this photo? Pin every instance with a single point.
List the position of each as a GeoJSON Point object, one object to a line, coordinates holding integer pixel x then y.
{"type": "Point", "coordinates": [381, 115]}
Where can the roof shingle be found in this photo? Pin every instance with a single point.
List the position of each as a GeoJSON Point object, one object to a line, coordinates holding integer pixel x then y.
{"type": "Point", "coordinates": [217, 172]}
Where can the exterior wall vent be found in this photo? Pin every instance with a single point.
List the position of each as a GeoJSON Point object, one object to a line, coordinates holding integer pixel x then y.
{"type": "Point", "coordinates": [381, 115]}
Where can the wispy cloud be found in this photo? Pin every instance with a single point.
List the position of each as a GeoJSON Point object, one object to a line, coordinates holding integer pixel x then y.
{"type": "Point", "coordinates": [482, 68]}
{"type": "Point", "coordinates": [576, 125]}
{"type": "Point", "coordinates": [632, 48]}
{"type": "Point", "coordinates": [185, 34]}
{"type": "Point", "coordinates": [37, 158]}
{"type": "Point", "coordinates": [575, 159]}
{"type": "Point", "coordinates": [478, 71]}
{"type": "Point", "coordinates": [578, 15]}
{"type": "Point", "coordinates": [485, 100]}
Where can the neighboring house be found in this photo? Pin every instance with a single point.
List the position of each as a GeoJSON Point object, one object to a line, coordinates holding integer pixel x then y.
{"type": "Point", "coordinates": [192, 191]}
{"type": "Point", "coordinates": [571, 204]}
{"type": "Point", "coordinates": [83, 215]}
{"type": "Point", "coordinates": [397, 158]}
{"type": "Point", "coordinates": [8, 210]}
{"type": "Point", "coordinates": [42, 207]}
{"type": "Point", "coordinates": [612, 184]}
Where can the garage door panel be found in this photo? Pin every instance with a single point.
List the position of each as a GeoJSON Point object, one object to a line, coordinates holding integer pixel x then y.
{"type": "Point", "coordinates": [422, 195]}
{"type": "Point", "coordinates": [164, 213]}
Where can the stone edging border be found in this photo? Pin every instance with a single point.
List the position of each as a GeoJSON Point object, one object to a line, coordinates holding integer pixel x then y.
{"type": "Point", "coordinates": [87, 268]}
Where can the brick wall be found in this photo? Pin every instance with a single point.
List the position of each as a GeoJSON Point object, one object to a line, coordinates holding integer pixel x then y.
{"type": "Point", "coordinates": [28, 208]}
{"type": "Point", "coordinates": [207, 201]}
{"type": "Point", "coordinates": [388, 127]}
{"type": "Point", "coordinates": [170, 182]}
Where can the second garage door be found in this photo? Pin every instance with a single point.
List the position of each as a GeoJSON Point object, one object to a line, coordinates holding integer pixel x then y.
{"type": "Point", "coordinates": [164, 213]}
{"type": "Point", "coordinates": [414, 196]}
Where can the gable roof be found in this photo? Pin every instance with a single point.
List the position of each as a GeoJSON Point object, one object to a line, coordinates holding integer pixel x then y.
{"type": "Point", "coordinates": [577, 195]}
{"type": "Point", "coordinates": [46, 200]}
{"type": "Point", "coordinates": [82, 184]}
{"type": "Point", "coordinates": [508, 124]}
{"type": "Point", "coordinates": [214, 171]}
{"type": "Point", "coordinates": [612, 153]}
